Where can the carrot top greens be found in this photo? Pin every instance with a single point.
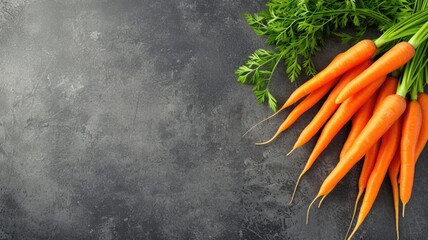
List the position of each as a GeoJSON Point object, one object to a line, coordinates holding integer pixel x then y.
{"type": "Point", "coordinates": [390, 131]}
{"type": "Point", "coordinates": [298, 28]}
{"type": "Point", "coordinates": [406, 28]}
{"type": "Point", "coordinates": [415, 72]}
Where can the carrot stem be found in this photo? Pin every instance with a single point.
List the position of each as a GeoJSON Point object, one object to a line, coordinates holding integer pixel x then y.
{"type": "Point", "coordinates": [402, 29]}
{"type": "Point", "coordinates": [420, 36]}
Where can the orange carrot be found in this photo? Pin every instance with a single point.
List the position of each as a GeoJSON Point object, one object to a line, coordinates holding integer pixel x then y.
{"type": "Point", "coordinates": [412, 122]}
{"type": "Point", "coordinates": [363, 115]}
{"type": "Point", "coordinates": [423, 136]}
{"type": "Point", "coordinates": [354, 56]}
{"type": "Point", "coordinates": [301, 108]}
{"type": "Point", "coordinates": [391, 108]}
{"type": "Point", "coordinates": [369, 162]}
{"type": "Point", "coordinates": [359, 121]}
{"type": "Point", "coordinates": [329, 106]}
{"type": "Point", "coordinates": [387, 150]}
{"type": "Point", "coordinates": [343, 114]}
{"type": "Point", "coordinates": [394, 168]}
{"type": "Point", "coordinates": [394, 58]}
{"type": "Point", "coordinates": [285, 106]}
{"type": "Point", "coordinates": [388, 87]}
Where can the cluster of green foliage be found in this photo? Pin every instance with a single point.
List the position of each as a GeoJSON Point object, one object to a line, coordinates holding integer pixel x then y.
{"type": "Point", "coordinates": [297, 30]}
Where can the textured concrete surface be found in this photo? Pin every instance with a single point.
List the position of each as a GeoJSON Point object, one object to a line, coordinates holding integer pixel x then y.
{"type": "Point", "coordinates": [122, 119]}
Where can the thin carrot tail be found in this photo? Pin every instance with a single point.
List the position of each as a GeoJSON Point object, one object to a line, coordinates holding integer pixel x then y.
{"type": "Point", "coordinates": [262, 121]}
{"type": "Point", "coordinates": [270, 140]}
{"type": "Point", "coordinates": [355, 230]}
{"type": "Point", "coordinates": [396, 210]}
{"type": "Point", "coordinates": [322, 200]}
{"type": "Point", "coordinates": [308, 165]}
{"type": "Point", "coordinates": [295, 187]}
{"type": "Point", "coordinates": [284, 126]}
{"type": "Point", "coordinates": [404, 208]}
{"type": "Point", "coordinates": [360, 193]}
{"type": "Point", "coordinates": [290, 151]}
{"type": "Point", "coordinates": [309, 208]}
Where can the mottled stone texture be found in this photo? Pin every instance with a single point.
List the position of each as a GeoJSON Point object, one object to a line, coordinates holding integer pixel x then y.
{"type": "Point", "coordinates": [122, 119]}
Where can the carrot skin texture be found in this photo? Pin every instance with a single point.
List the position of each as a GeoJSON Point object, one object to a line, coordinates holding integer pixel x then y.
{"type": "Point", "coordinates": [394, 58]}
{"type": "Point", "coordinates": [389, 87]}
{"type": "Point", "coordinates": [368, 165]}
{"type": "Point", "coordinates": [423, 136]}
{"type": "Point", "coordinates": [301, 108]}
{"type": "Point", "coordinates": [329, 106]}
{"type": "Point", "coordinates": [388, 112]}
{"type": "Point", "coordinates": [359, 121]}
{"type": "Point", "coordinates": [412, 122]}
{"type": "Point", "coordinates": [389, 145]}
{"type": "Point", "coordinates": [357, 54]}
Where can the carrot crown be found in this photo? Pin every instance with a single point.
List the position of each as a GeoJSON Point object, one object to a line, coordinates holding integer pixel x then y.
{"type": "Point", "coordinates": [404, 29]}
{"type": "Point", "coordinates": [415, 71]}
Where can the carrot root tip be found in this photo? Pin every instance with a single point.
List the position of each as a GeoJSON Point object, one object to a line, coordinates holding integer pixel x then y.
{"type": "Point", "coordinates": [354, 231]}
{"type": "Point", "coordinates": [322, 199]}
{"type": "Point", "coordinates": [268, 141]}
{"type": "Point", "coordinates": [295, 188]}
{"type": "Point", "coordinates": [353, 214]}
{"type": "Point", "coordinates": [309, 208]}
{"type": "Point", "coordinates": [262, 121]}
{"type": "Point", "coordinates": [290, 151]}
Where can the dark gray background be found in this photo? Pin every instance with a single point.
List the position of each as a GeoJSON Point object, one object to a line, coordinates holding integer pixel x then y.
{"type": "Point", "coordinates": [122, 119]}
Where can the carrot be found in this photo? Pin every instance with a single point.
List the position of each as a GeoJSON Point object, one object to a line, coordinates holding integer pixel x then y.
{"type": "Point", "coordinates": [369, 162]}
{"type": "Point", "coordinates": [412, 122]}
{"type": "Point", "coordinates": [388, 147]}
{"type": "Point", "coordinates": [337, 121]}
{"type": "Point", "coordinates": [359, 121]}
{"type": "Point", "coordinates": [423, 136]}
{"type": "Point", "coordinates": [363, 115]}
{"type": "Point", "coordinates": [284, 106]}
{"type": "Point", "coordinates": [394, 58]}
{"type": "Point", "coordinates": [388, 87]}
{"type": "Point", "coordinates": [329, 106]}
{"type": "Point", "coordinates": [301, 108]}
{"type": "Point", "coordinates": [391, 108]}
{"type": "Point", "coordinates": [354, 56]}
{"type": "Point", "coordinates": [394, 168]}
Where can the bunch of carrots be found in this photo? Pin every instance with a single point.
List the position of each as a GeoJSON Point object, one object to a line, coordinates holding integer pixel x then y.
{"type": "Point", "coordinates": [378, 86]}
